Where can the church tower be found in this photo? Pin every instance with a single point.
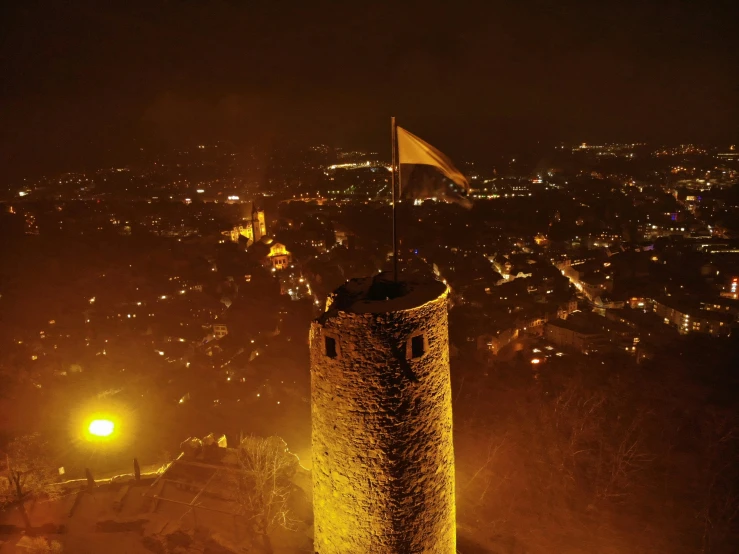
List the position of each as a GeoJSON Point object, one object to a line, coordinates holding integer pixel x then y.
{"type": "Point", "coordinates": [258, 223]}
{"type": "Point", "coordinates": [383, 457]}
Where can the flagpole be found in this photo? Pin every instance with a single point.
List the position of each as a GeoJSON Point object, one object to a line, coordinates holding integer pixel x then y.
{"type": "Point", "coordinates": [394, 140]}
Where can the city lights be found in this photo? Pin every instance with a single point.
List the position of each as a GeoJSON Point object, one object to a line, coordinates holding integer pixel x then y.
{"type": "Point", "coordinates": [572, 262]}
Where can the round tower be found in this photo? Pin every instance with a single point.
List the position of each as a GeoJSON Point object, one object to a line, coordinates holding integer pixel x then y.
{"type": "Point", "coordinates": [383, 457]}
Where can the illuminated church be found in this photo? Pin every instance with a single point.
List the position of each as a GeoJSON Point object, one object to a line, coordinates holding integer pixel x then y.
{"type": "Point", "coordinates": [252, 230]}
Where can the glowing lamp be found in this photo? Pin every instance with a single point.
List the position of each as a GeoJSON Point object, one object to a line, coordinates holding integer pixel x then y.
{"type": "Point", "coordinates": [101, 427]}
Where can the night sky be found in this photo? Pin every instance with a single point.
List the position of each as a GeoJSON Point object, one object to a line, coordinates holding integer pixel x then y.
{"type": "Point", "coordinates": [82, 81]}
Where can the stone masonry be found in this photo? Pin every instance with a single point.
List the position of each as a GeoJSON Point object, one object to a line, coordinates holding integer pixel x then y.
{"type": "Point", "coordinates": [383, 458]}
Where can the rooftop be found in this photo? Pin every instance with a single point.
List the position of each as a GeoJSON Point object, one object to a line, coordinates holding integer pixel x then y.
{"type": "Point", "coordinates": [381, 294]}
{"type": "Point", "coordinates": [574, 324]}
{"type": "Point", "coordinates": [691, 307]}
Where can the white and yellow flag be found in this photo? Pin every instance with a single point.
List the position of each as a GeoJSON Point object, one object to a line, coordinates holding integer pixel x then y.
{"type": "Point", "coordinates": [413, 150]}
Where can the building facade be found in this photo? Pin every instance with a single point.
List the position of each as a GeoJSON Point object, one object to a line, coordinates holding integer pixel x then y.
{"type": "Point", "coordinates": [278, 257]}
{"type": "Point", "coordinates": [688, 319]}
{"type": "Point", "coordinates": [251, 229]}
{"type": "Point", "coordinates": [568, 336]}
{"type": "Point", "coordinates": [220, 330]}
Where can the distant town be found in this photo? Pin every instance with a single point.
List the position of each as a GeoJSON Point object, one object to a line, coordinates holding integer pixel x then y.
{"type": "Point", "coordinates": [180, 287]}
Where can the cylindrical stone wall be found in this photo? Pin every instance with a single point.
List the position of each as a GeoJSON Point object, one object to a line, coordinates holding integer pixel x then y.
{"type": "Point", "coordinates": [383, 457]}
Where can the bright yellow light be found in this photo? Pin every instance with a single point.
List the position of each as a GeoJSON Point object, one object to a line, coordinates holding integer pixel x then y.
{"type": "Point", "coordinates": [535, 361]}
{"type": "Point", "coordinates": [101, 427]}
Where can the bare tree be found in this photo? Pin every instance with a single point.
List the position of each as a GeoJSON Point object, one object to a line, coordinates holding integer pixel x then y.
{"type": "Point", "coordinates": [28, 473]}
{"type": "Point", "coordinates": [718, 509]}
{"type": "Point", "coordinates": [623, 459]}
{"type": "Point", "coordinates": [41, 545]}
{"type": "Point", "coordinates": [264, 484]}
{"type": "Point", "coordinates": [488, 478]}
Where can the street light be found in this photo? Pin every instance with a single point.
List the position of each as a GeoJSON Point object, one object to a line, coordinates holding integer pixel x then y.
{"type": "Point", "coordinates": [104, 426]}
{"type": "Point", "coordinates": [101, 427]}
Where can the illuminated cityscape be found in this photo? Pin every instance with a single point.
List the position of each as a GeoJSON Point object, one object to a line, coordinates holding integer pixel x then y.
{"type": "Point", "coordinates": [239, 316]}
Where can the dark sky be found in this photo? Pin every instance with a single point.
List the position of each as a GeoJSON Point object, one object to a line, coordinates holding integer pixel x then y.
{"type": "Point", "coordinates": [82, 80]}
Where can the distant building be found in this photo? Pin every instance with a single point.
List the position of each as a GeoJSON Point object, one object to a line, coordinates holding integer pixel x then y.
{"type": "Point", "coordinates": [220, 330]}
{"type": "Point", "coordinates": [252, 229]}
{"type": "Point", "coordinates": [490, 344]}
{"type": "Point", "coordinates": [650, 231]}
{"type": "Point", "coordinates": [239, 231]}
{"type": "Point", "coordinates": [530, 320]}
{"type": "Point", "coordinates": [569, 335]}
{"type": "Point", "coordinates": [342, 235]}
{"type": "Point", "coordinates": [499, 335]}
{"type": "Point", "coordinates": [691, 319]}
{"type": "Point", "coordinates": [603, 239]}
{"type": "Point", "coordinates": [279, 257]}
{"type": "Point", "coordinates": [725, 305]}
{"type": "Point", "coordinates": [605, 301]}
{"type": "Point", "coordinates": [588, 333]}
{"type": "Point", "coordinates": [731, 289]}
{"type": "Point", "coordinates": [653, 333]}
{"type": "Point", "coordinates": [595, 285]}
{"type": "Point", "coordinates": [270, 254]}
{"type": "Point", "coordinates": [319, 244]}
{"type": "Point", "coordinates": [541, 240]}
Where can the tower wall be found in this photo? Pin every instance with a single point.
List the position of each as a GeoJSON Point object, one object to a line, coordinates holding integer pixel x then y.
{"type": "Point", "coordinates": [383, 458]}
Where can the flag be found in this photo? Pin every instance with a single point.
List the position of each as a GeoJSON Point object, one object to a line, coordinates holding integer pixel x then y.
{"type": "Point", "coordinates": [413, 150]}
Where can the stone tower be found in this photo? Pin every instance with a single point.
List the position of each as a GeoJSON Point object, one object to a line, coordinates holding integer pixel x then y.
{"type": "Point", "coordinates": [259, 225]}
{"type": "Point", "coordinates": [383, 458]}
